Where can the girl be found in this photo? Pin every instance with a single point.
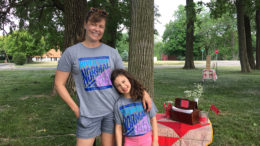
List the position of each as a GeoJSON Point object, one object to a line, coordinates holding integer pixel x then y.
{"type": "Point", "coordinates": [132, 121]}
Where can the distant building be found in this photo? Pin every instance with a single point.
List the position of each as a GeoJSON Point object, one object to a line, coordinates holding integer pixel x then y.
{"type": "Point", "coordinates": [51, 55]}
{"type": "Point", "coordinates": [168, 57]}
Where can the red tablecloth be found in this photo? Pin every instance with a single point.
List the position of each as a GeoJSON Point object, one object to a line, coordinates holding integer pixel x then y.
{"type": "Point", "coordinates": [173, 133]}
{"type": "Point", "coordinates": [209, 74]}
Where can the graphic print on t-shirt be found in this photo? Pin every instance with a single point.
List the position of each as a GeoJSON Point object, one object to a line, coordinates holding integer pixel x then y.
{"type": "Point", "coordinates": [95, 72]}
{"type": "Point", "coordinates": [135, 119]}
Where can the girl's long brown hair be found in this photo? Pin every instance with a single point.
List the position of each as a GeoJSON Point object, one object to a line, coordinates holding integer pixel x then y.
{"type": "Point", "coordinates": [137, 89]}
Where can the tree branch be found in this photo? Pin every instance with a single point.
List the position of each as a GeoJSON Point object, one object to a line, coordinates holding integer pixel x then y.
{"type": "Point", "coordinates": [8, 6]}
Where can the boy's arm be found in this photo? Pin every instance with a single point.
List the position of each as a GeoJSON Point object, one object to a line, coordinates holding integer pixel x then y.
{"type": "Point", "coordinates": [119, 135]}
{"type": "Point", "coordinates": [155, 131]}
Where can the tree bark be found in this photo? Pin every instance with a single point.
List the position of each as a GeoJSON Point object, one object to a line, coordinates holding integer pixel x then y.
{"type": "Point", "coordinates": [232, 44]}
{"type": "Point", "coordinates": [29, 59]}
{"type": "Point", "coordinates": [257, 38]}
{"type": "Point", "coordinates": [249, 47]}
{"type": "Point", "coordinates": [142, 42]}
{"type": "Point", "coordinates": [190, 16]}
{"type": "Point", "coordinates": [112, 25]}
{"type": "Point", "coordinates": [74, 15]}
{"type": "Point", "coordinates": [206, 51]}
{"type": "Point", "coordinates": [245, 67]}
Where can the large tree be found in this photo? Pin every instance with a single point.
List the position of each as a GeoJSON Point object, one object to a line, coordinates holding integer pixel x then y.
{"type": "Point", "coordinates": [220, 7]}
{"type": "Point", "coordinates": [74, 13]}
{"type": "Point", "coordinates": [249, 47]}
{"type": "Point", "coordinates": [190, 17]}
{"type": "Point", "coordinates": [174, 35]}
{"type": "Point", "coordinates": [61, 21]}
{"type": "Point", "coordinates": [245, 67]}
{"type": "Point", "coordinates": [209, 34]}
{"type": "Point", "coordinates": [142, 42]}
{"type": "Point", "coordinates": [22, 41]}
{"type": "Point", "coordinates": [41, 19]}
{"type": "Point", "coordinates": [257, 19]}
{"type": "Point", "coordinates": [249, 11]}
{"type": "Point", "coordinates": [118, 14]}
{"type": "Point", "coordinates": [51, 18]}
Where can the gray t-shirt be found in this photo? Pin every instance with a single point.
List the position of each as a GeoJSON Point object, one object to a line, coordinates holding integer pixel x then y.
{"type": "Point", "coordinates": [91, 69]}
{"type": "Point", "coordinates": [131, 115]}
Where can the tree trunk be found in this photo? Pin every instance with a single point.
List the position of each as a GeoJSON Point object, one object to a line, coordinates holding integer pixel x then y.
{"type": "Point", "coordinates": [28, 59]}
{"type": "Point", "coordinates": [245, 67]}
{"type": "Point", "coordinates": [74, 15]}
{"type": "Point", "coordinates": [112, 25]}
{"type": "Point", "coordinates": [257, 38]}
{"type": "Point", "coordinates": [206, 50]}
{"type": "Point", "coordinates": [232, 44]}
{"type": "Point", "coordinates": [142, 42]}
{"type": "Point", "coordinates": [190, 16]}
{"type": "Point", "coordinates": [249, 42]}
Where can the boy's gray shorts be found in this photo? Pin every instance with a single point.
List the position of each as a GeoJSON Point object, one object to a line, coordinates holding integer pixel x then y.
{"type": "Point", "coordinates": [92, 127]}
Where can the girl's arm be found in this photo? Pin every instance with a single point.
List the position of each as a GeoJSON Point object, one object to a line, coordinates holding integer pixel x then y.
{"type": "Point", "coordinates": [60, 82]}
{"type": "Point", "coordinates": [119, 135]}
{"type": "Point", "coordinates": [147, 101]}
{"type": "Point", "coordinates": [155, 131]}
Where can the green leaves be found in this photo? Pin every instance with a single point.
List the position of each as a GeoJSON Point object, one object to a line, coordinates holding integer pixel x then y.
{"type": "Point", "coordinates": [209, 34]}
{"type": "Point", "coordinates": [174, 34]}
{"type": "Point", "coordinates": [23, 42]}
{"type": "Point", "coordinates": [19, 58]}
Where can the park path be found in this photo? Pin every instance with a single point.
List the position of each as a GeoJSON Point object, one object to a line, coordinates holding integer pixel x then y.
{"type": "Point", "coordinates": [203, 64]}
{"type": "Point", "coordinates": [11, 66]}
{"type": "Point", "coordinates": [4, 66]}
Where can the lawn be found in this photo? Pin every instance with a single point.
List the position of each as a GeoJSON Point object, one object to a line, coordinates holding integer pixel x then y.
{"type": "Point", "coordinates": [30, 116]}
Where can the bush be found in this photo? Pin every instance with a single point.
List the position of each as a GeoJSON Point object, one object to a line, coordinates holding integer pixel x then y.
{"type": "Point", "coordinates": [19, 58]}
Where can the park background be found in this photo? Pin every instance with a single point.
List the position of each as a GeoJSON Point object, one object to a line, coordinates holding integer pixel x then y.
{"type": "Point", "coordinates": [32, 115]}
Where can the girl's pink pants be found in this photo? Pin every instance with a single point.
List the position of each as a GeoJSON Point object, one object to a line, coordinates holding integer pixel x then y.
{"type": "Point", "coordinates": [143, 140]}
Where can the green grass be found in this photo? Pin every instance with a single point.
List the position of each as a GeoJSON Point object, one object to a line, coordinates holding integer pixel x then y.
{"type": "Point", "coordinates": [30, 116]}
{"type": "Point", "coordinates": [237, 95]}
